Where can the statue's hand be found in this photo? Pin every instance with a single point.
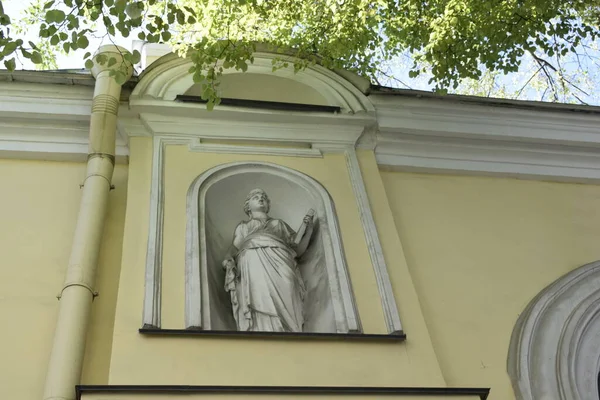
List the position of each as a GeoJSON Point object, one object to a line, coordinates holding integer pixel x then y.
{"type": "Point", "coordinates": [228, 263]}
{"type": "Point", "coordinates": [308, 220]}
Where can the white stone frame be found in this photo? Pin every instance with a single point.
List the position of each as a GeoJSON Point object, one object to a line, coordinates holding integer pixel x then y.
{"type": "Point", "coordinates": [151, 316]}
{"type": "Point", "coordinates": [197, 304]}
{"type": "Point", "coordinates": [555, 346]}
{"type": "Point", "coordinates": [154, 113]}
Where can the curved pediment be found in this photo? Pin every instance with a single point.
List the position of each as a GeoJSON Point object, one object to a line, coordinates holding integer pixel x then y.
{"type": "Point", "coordinates": [169, 77]}
{"type": "Point", "coordinates": [263, 87]}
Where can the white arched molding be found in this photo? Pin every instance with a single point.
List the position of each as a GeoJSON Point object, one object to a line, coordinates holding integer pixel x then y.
{"type": "Point", "coordinates": [197, 305]}
{"type": "Point", "coordinates": [169, 77]}
{"type": "Point", "coordinates": [555, 346]}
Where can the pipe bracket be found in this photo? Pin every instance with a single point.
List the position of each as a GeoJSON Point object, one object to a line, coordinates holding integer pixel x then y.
{"type": "Point", "coordinates": [110, 185]}
{"type": "Point", "coordinates": [83, 285]}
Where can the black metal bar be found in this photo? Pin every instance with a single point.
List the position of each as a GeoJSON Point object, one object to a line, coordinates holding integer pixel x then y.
{"type": "Point", "coordinates": [274, 390]}
{"type": "Point", "coordinates": [398, 337]}
{"type": "Point", "coordinates": [269, 105]}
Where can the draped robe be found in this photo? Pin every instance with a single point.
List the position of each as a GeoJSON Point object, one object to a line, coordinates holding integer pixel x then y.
{"type": "Point", "coordinates": [267, 291]}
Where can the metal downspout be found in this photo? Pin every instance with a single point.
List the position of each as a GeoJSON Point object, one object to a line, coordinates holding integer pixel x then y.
{"type": "Point", "coordinates": [66, 360]}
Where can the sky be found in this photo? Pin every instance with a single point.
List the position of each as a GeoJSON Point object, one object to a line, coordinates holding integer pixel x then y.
{"type": "Point", "coordinates": [583, 72]}
{"type": "Point", "coordinates": [74, 59]}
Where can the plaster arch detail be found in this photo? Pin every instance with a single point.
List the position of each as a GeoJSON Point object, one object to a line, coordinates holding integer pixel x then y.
{"type": "Point", "coordinates": [555, 346]}
{"type": "Point", "coordinates": [170, 77]}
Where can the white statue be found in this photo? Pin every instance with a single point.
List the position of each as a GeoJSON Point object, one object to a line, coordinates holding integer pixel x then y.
{"type": "Point", "coordinates": [262, 277]}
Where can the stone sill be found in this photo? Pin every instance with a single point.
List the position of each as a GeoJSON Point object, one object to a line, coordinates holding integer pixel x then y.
{"type": "Point", "coordinates": [445, 392]}
{"type": "Point", "coordinates": [367, 337]}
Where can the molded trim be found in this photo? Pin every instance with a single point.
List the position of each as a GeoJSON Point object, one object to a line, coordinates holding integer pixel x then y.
{"type": "Point", "coordinates": [386, 293]}
{"type": "Point", "coordinates": [554, 346]}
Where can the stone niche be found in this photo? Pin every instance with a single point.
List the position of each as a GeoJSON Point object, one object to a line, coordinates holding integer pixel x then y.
{"type": "Point", "coordinates": [215, 207]}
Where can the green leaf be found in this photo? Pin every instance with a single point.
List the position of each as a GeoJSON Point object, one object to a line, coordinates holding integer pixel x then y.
{"type": "Point", "coordinates": [82, 42]}
{"type": "Point", "coordinates": [36, 57]}
{"type": "Point", "coordinates": [180, 17]}
{"type": "Point", "coordinates": [89, 64]}
{"type": "Point", "coordinates": [56, 16]}
{"type": "Point", "coordinates": [136, 57]}
{"type": "Point", "coordinates": [101, 59]}
{"type": "Point", "coordinates": [9, 48]}
{"type": "Point", "coordinates": [10, 64]}
{"type": "Point", "coordinates": [120, 6]}
{"type": "Point", "coordinates": [119, 77]}
{"type": "Point", "coordinates": [133, 10]}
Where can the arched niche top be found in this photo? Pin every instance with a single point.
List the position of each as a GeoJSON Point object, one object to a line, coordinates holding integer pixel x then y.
{"type": "Point", "coordinates": [555, 346]}
{"type": "Point", "coordinates": [263, 87]}
{"type": "Point", "coordinates": [169, 77]}
{"type": "Point", "coordinates": [214, 204]}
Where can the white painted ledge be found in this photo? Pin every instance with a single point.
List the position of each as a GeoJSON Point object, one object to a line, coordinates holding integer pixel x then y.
{"type": "Point", "coordinates": [431, 135]}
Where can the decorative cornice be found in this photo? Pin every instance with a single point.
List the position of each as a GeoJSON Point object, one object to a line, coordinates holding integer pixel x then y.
{"type": "Point", "coordinates": [488, 157]}
{"type": "Point", "coordinates": [46, 116]}
{"type": "Point", "coordinates": [325, 132]}
{"type": "Point", "coordinates": [435, 136]}
{"type": "Point", "coordinates": [47, 122]}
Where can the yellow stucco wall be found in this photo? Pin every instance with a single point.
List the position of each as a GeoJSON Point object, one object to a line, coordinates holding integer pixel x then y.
{"type": "Point", "coordinates": [38, 212]}
{"type": "Point", "coordinates": [479, 249]}
{"type": "Point", "coordinates": [138, 359]}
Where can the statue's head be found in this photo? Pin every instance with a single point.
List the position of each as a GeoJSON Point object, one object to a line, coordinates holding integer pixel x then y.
{"type": "Point", "coordinates": [257, 200]}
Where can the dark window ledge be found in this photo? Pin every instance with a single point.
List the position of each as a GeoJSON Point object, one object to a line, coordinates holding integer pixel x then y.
{"type": "Point", "coordinates": [267, 105]}
{"type": "Point", "coordinates": [397, 337]}
{"type": "Point", "coordinates": [279, 390]}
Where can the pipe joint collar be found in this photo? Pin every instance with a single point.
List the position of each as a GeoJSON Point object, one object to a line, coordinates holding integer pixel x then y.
{"type": "Point", "coordinates": [110, 157]}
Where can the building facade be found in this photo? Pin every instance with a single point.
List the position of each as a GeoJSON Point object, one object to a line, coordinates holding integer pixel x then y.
{"type": "Point", "coordinates": [458, 238]}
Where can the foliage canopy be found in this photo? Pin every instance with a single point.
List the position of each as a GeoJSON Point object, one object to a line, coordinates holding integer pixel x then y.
{"type": "Point", "coordinates": [449, 39]}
